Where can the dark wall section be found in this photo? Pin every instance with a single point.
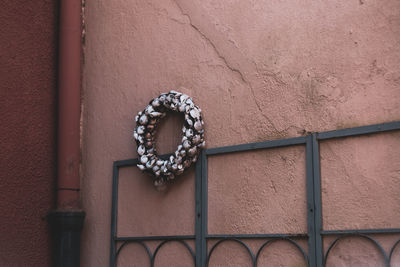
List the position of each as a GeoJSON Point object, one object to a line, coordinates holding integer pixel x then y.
{"type": "Point", "coordinates": [27, 129]}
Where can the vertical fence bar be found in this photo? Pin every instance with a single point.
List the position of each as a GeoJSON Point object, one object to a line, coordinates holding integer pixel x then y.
{"type": "Point", "coordinates": [310, 202]}
{"type": "Point", "coordinates": [204, 207]}
{"type": "Point", "coordinates": [114, 214]}
{"type": "Point", "coordinates": [198, 212]}
{"type": "Point", "coordinates": [317, 201]}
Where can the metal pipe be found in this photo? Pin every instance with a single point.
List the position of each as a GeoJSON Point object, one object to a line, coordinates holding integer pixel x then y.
{"type": "Point", "coordinates": [67, 220]}
{"type": "Point", "coordinates": [69, 94]}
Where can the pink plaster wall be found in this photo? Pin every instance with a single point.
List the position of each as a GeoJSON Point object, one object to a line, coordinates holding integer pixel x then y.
{"type": "Point", "coordinates": [361, 174]}
{"type": "Point", "coordinates": [259, 70]}
{"type": "Point", "coordinates": [258, 192]}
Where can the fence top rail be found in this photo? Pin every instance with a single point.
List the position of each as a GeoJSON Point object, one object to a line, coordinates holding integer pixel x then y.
{"type": "Point", "coordinates": [370, 129]}
{"type": "Point", "coordinates": [362, 130]}
{"type": "Point", "coordinates": [258, 145]}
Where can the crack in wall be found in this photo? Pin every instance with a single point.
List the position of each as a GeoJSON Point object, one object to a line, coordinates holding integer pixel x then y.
{"type": "Point", "coordinates": [227, 64]}
{"type": "Point", "coordinates": [235, 70]}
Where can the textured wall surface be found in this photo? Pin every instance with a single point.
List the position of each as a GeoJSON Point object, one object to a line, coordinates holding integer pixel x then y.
{"type": "Point", "coordinates": [27, 126]}
{"type": "Point", "coordinates": [259, 70]}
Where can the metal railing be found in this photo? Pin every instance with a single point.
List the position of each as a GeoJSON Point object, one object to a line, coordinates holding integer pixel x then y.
{"type": "Point", "coordinates": [201, 254]}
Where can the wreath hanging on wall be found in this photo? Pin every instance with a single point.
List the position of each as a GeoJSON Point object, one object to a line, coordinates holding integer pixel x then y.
{"type": "Point", "coordinates": [192, 137]}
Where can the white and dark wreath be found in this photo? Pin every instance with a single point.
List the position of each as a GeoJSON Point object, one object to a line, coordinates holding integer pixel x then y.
{"type": "Point", "coordinates": [192, 138]}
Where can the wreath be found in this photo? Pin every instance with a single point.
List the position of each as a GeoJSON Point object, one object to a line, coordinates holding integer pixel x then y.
{"type": "Point", "coordinates": [192, 137]}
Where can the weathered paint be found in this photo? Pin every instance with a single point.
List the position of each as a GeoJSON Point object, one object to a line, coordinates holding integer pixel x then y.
{"type": "Point", "coordinates": [259, 70]}
{"type": "Point", "coordinates": [69, 105]}
{"type": "Point", "coordinates": [28, 128]}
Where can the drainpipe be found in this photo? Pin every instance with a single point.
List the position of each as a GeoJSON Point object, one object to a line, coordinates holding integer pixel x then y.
{"type": "Point", "coordinates": [67, 220]}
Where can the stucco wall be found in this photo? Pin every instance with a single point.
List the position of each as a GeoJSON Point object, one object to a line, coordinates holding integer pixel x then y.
{"type": "Point", "coordinates": [27, 130]}
{"type": "Point", "coordinates": [259, 70]}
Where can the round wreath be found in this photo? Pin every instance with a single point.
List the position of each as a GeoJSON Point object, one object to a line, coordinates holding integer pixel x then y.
{"type": "Point", "coordinates": [192, 138]}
